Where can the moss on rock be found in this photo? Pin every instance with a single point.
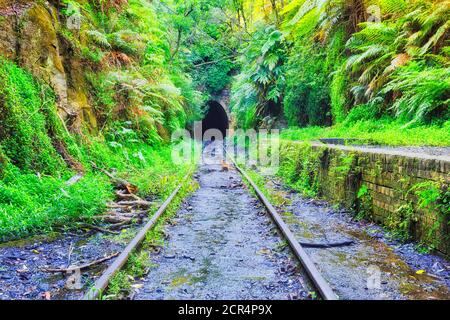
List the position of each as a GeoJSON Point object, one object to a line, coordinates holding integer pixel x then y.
{"type": "Point", "coordinates": [23, 134]}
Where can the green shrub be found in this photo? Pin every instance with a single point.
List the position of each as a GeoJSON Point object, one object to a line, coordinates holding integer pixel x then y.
{"type": "Point", "coordinates": [299, 167]}
{"type": "Point", "coordinates": [259, 88]}
{"type": "Point", "coordinates": [315, 85]}
{"type": "Point", "coordinates": [24, 131]}
{"type": "Point", "coordinates": [385, 131]}
{"type": "Point", "coordinates": [30, 204]}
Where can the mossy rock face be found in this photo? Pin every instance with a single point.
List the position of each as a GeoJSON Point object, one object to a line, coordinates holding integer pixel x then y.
{"type": "Point", "coordinates": [39, 48]}
{"type": "Point", "coordinates": [8, 38]}
{"type": "Point", "coordinates": [78, 93]}
{"type": "Point", "coordinates": [29, 35]}
{"type": "Point", "coordinates": [6, 4]}
{"type": "Point", "coordinates": [9, 26]}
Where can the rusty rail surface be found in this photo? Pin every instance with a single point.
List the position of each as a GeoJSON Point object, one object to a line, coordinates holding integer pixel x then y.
{"type": "Point", "coordinates": [321, 285]}
{"type": "Point", "coordinates": [102, 283]}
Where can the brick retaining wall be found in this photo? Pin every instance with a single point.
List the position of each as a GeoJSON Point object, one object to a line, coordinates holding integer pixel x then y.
{"type": "Point", "coordinates": [388, 176]}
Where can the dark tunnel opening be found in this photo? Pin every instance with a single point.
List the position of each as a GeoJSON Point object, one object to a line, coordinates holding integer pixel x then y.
{"type": "Point", "coordinates": [216, 118]}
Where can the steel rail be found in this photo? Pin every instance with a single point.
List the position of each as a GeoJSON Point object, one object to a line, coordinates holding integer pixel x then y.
{"type": "Point", "coordinates": [102, 283]}
{"type": "Point", "coordinates": [321, 285]}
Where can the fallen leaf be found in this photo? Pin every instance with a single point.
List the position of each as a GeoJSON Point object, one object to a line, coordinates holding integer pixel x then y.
{"type": "Point", "coordinates": [46, 295]}
{"type": "Point", "coordinates": [264, 251]}
{"type": "Point", "coordinates": [421, 271]}
{"type": "Point", "coordinates": [24, 269]}
{"type": "Point", "coordinates": [30, 291]}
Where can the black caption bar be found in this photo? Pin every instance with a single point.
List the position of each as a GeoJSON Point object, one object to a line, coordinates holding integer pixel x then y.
{"type": "Point", "coordinates": [197, 310]}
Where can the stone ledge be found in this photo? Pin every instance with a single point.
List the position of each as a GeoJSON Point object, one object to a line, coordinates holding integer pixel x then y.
{"type": "Point", "coordinates": [388, 175]}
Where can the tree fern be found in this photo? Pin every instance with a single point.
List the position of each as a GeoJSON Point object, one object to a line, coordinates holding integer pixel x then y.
{"type": "Point", "coordinates": [423, 91]}
{"type": "Point", "coordinates": [262, 81]}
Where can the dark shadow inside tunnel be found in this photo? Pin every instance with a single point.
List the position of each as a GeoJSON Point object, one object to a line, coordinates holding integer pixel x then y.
{"type": "Point", "coordinates": [215, 118]}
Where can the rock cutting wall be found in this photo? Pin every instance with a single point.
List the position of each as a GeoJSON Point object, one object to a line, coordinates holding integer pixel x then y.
{"type": "Point", "coordinates": [30, 36]}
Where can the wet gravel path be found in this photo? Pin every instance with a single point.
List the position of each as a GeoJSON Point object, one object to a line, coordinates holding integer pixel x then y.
{"type": "Point", "coordinates": [222, 246]}
{"type": "Point", "coordinates": [22, 263]}
{"type": "Point", "coordinates": [375, 266]}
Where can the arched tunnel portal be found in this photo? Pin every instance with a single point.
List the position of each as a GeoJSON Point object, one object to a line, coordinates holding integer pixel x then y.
{"type": "Point", "coordinates": [216, 118]}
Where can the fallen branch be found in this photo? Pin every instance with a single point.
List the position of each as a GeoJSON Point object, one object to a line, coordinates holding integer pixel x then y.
{"type": "Point", "coordinates": [114, 205]}
{"type": "Point", "coordinates": [74, 179]}
{"type": "Point", "coordinates": [113, 219]}
{"type": "Point", "coordinates": [91, 226]}
{"type": "Point", "coordinates": [83, 266]}
{"type": "Point", "coordinates": [120, 224]}
{"type": "Point", "coordinates": [141, 203]}
{"type": "Point", "coordinates": [124, 215]}
{"type": "Point", "coordinates": [327, 245]}
{"type": "Point", "coordinates": [128, 196]}
{"type": "Point", "coordinates": [119, 182]}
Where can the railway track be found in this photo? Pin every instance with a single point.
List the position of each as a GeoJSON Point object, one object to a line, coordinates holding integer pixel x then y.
{"type": "Point", "coordinates": [322, 287]}
{"type": "Point", "coordinates": [319, 282]}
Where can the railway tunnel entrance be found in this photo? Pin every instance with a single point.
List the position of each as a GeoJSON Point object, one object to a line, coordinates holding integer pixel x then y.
{"type": "Point", "coordinates": [216, 118]}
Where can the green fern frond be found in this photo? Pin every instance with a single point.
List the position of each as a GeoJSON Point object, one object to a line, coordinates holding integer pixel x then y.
{"type": "Point", "coordinates": [118, 42]}
{"type": "Point", "coordinates": [438, 35]}
{"type": "Point", "coordinates": [98, 38]}
{"type": "Point", "coordinates": [423, 90]}
{"type": "Point", "coordinates": [373, 51]}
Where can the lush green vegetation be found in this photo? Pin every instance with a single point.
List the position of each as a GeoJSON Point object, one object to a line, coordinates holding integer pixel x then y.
{"type": "Point", "coordinates": [383, 131]}
{"type": "Point", "coordinates": [139, 70]}
{"type": "Point", "coordinates": [376, 69]}
{"type": "Point", "coordinates": [138, 99]}
{"type": "Point", "coordinates": [138, 265]}
{"type": "Point", "coordinates": [140, 79]}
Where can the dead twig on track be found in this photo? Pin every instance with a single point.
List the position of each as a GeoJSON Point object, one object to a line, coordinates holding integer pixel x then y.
{"type": "Point", "coordinates": [94, 227]}
{"type": "Point", "coordinates": [81, 267]}
{"type": "Point", "coordinates": [119, 182]}
{"type": "Point", "coordinates": [74, 179]}
{"type": "Point", "coordinates": [128, 196]}
{"type": "Point", "coordinates": [69, 255]}
{"type": "Point", "coordinates": [139, 203]}
{"type": "Point", "coordinates": [327, 245]}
